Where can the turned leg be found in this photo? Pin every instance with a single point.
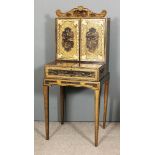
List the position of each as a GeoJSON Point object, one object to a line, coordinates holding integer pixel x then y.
{"type": "Point", "coordinates": [62, 91]}
{"type": "Point", "coordinates": [97, 96]}
{"type": "Point", "coordinates": [46, 109]}
{"type": "Point", "coordinates": [106, 87]}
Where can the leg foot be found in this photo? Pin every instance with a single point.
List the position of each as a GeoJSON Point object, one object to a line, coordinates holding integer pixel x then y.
{"type": "Point", "coordinates": [97, 95]}
{"type": "Point", "coordinates": [106, 87]}
{"type": "Point", "coordinates": [46, 109]}
{"type": "Point", "coordinates": [62, 94]}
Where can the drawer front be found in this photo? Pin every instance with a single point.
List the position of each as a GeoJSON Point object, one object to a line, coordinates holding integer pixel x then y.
{"type": "Point", "coordinates": [71, 74]}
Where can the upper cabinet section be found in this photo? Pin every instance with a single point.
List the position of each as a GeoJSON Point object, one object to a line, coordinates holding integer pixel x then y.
{"type": "Point", "coordinates": [67, 39]}
{"type": "Point", "coordinates": [81, 35]}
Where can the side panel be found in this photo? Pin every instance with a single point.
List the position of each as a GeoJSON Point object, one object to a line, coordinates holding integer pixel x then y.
{"type": "Point", "coordinates": [67, 33]}
{"type": "Point", "coordinates": [107, 47]}
{"type": "Point", "coordinates": [92, 42]}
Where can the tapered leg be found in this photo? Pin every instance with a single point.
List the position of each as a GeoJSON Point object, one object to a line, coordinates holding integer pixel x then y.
{"type": "Point", "coordinates": [62, 94]}
{"type": "Point", "coordinates": [106, 87]}
{"type": "Point", "coordinates": [97, 96]}
{"type": "Point", "coordinates": [46, 109]}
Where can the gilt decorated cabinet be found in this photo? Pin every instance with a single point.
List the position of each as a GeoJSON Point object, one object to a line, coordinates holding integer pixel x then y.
{"type": "Point", "coordinates": [82, 58]}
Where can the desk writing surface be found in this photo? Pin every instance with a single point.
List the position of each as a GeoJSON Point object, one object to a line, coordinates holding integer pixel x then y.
{"type": "Point", "coordinates": [75, 64]}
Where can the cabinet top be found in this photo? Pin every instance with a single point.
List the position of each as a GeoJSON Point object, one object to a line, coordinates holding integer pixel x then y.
{"type": "Point", "coordinates": [80, 12]}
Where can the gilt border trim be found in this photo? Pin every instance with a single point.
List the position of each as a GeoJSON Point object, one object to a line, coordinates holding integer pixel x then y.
{"type": "Point", "coordinates": [91, 85]}
{"type": "Point", "coordinates": [80, 12]}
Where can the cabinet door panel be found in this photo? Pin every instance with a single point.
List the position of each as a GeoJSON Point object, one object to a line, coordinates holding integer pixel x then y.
{"type": "Point", "coordinates": [92, 42]}
{"type": "Point", "coordinates": [67, 39]}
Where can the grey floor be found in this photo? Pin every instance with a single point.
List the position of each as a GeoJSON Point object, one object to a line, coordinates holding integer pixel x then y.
{"type": "Point", "coordinates": [76, 138]}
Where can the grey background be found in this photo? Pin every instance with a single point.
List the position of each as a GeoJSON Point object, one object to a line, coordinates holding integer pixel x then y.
{"type": "Point", "coordinates": [80, 101]}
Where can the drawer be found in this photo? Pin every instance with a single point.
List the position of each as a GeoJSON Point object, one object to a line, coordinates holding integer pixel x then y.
{"type": "Point", "coordinates": [71, 73]}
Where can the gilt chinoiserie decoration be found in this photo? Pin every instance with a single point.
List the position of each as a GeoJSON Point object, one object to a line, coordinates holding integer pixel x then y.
{"type": "Point", "coordinates": [92, 39]}
{"type": "Point", "coordinates": [67, 39]}
{"type": "Point", "coordinates": [82, 58]}
{"type": "Point", "coordinates": [81, 12]}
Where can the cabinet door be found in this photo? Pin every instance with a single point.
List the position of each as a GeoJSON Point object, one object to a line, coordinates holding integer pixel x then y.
{"type": "Point", "coordinates": [67, 34]}
{"type": "Point", "coordinates": [92, 42]}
